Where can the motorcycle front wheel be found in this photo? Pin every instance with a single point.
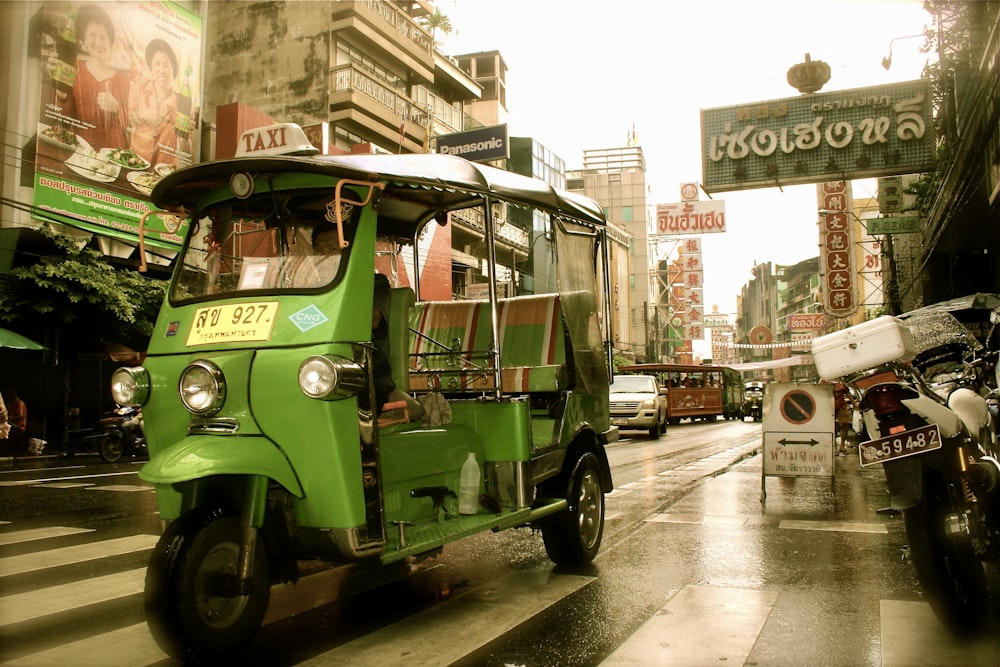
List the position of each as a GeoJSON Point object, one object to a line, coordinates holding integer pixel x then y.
{"type": "Point", "coordinates": [953, 581]}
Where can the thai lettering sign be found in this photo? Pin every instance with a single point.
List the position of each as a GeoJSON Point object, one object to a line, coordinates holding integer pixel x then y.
{"type": "Point", "coordinates": [806, 321]}
{"type": "Point", "coordinates": [691, 217]}
{"type": "Point", "coordinates": [850, 134]}
{"type": "Point", "coordinates": [798, 429]}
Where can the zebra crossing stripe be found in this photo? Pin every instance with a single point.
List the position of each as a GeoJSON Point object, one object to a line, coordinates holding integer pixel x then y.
{"type": "Point", "coordinates": [457, 627]}
{"type": "Point", "coordinates": [132, 645]}
{"type": "Point", "coordinates": [31, 534]}
{"type": "Point", "coordinates": [677, 635]}
{"type": "Point", "coordinates": [67, 597]}
{"type": "Point", "coordinates": [75, 554]}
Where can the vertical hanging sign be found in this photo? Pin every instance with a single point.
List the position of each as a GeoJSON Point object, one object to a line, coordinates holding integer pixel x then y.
{"type": "Point", "coordinates": [836, 238]}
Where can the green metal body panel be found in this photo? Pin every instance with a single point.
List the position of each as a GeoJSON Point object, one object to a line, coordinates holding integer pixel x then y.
{"type": "Point", "coordinates": [423, 457]}
{"type": "Point", "coordinates": [504, 427]}
{"type": "Point", "coordinates": [201, 456]}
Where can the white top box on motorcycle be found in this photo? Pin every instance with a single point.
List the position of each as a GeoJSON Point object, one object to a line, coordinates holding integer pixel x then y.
{"type": "Point", "coordinates": [861, 347]}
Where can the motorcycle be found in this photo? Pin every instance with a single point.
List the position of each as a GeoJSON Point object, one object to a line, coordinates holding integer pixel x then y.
{"type": "Point", "coordinates": [920, 387]}
{"type": "Point", "coordinates": [122, 434]}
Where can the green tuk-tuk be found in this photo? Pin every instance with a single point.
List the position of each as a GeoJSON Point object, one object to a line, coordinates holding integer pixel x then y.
{"type": "Point", "coordinates": [267, 443]}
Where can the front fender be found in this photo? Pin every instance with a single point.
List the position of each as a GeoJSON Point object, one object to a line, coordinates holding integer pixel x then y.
{"type": "Point", "coordinates": [201, 456]}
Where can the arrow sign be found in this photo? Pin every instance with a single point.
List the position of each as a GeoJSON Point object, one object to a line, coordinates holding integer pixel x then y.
{"type": "Point", "coordinates": [810, 442]}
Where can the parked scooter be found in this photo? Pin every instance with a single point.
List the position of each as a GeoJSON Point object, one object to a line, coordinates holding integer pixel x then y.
{"type": "Point", "coordinates": [122, 434]}
{"type": "Point", "coordinates": [919, 385]}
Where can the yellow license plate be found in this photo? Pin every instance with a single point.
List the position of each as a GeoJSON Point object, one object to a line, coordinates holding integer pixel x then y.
{"type": "Point", "coordinates": [233, 323]}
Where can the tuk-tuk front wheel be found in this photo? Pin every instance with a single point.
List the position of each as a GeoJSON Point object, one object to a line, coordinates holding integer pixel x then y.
{"type": "Point", "coordinates": [574, 536]}
{"type": "Point", "coordinates": [193, 606]}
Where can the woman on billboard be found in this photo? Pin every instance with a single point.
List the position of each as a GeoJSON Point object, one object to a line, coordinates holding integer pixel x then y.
{"type": "Point", "coordinates": [153, 106]}
{"type": "Point", "coordinates": [100, 91]}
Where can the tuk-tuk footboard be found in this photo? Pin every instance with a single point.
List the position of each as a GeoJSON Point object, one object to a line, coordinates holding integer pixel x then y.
{"type": "Point", "coordinates": [410, 539]}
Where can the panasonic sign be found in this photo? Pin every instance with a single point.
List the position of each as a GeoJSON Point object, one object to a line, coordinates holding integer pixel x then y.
{"type": "Point", "coordinates": [484, 143]}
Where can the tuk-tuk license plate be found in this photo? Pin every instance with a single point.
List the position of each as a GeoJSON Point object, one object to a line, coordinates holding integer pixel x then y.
{"type": "Point", "coordinates": [908, 443]}
{"type": "Point", "coordinates": [233, 323]}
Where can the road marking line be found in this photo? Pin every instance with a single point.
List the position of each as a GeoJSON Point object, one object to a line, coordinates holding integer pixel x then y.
{"type": "Point", "coordinates": [66, 485]}
{"type": "Point", "coordinates": [837, 526]}
{"type": "Point", "coordinates": [30, 534]}
{"type": "Point", "coordinates": [121, 487]}
{"type": "Point", "coordinates": [132, 645]}
{"type": "Point", "coordinates": [701, 519]}
{"type": "Point", "coordinates": [677, 635]}
{"type": "Point", "coordinates": [22, 482]}
{"type": "Point", "coordinates": [66, 597]}
{"type": "Point", "coordinates": [458, 626]}
{"type": "Point", "coordinates": [75, 554]}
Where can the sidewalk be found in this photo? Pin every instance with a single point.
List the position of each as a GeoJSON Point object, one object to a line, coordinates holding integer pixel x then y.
{"type": "Point", "coordinates": [831, 562]}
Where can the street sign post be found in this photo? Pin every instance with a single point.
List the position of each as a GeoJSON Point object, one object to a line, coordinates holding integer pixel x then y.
{"type": "Point", "coordinates": [798, 430]}
{"type": "Point", "coordinates": [904, 224]}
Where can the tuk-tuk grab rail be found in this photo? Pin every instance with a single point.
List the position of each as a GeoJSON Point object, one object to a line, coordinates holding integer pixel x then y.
{"type": "Point", "coordinates": [338, 199]}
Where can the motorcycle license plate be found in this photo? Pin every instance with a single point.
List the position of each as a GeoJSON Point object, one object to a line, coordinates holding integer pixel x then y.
{"type": "Point", "coordinates": [900, 445]}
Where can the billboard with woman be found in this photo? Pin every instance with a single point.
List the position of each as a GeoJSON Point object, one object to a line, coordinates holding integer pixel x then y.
{"type": "Point", "coordinates": [120, 96]}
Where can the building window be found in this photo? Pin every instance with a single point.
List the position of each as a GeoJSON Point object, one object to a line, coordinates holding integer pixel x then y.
{"type": "Point", "coordinates": [626, 214]}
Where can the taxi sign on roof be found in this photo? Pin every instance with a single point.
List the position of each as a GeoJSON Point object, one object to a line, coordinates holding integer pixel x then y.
{"type": "Point", "coordinates": [280, 139]}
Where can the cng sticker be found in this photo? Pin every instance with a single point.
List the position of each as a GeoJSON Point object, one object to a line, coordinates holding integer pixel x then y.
{"type": "Point", "coordinates": [307, 318]}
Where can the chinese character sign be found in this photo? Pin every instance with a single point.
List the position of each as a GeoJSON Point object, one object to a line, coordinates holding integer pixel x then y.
{"type": "Point", "coordinates": [836, 239]}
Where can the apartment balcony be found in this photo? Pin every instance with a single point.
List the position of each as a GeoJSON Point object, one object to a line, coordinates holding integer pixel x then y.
{"type": "Point", "coordinates": [472, 223]}
{"type": "Point", "coordinates": [364, 103]}
{"type": "Point", "coordinates": [382, 26]}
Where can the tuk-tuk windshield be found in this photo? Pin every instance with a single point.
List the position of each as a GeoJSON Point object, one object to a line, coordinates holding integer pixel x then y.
{"type": "Point", "coordinates": [270, 243]}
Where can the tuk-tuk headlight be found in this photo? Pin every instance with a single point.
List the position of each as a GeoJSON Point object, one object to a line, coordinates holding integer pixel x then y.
{"type": "Point", "coordinates": [202, 388]}
{"type": "Point", "coordinates": [331, 377]}
{"type": "Point", "coordinates": [130, 386]}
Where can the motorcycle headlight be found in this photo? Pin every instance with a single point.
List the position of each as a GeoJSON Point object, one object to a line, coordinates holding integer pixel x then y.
{"type": "Point", "coordinates": [130, 386]}
{"type": "Point", "coordinates": [331, 378]}
{"type": "Point", "coordinates": [202, 388]}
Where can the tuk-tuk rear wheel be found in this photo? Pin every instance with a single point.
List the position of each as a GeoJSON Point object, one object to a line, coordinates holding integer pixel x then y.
{"type": "Point", "coordinates": [188, 611]}
{"type": "Point", "coordinates": [573, 537]}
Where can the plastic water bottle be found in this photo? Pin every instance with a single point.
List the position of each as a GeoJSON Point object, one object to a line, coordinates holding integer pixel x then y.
{"type": "Point", "coordinates": [468, 494]}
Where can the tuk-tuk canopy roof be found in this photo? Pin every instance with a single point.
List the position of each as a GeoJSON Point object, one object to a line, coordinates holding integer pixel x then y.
{"type": "Point", "coordinates": [419, 186]}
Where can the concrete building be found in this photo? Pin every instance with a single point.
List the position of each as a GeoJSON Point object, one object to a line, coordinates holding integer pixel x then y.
{"type": "Point", "coordinates": [616, 178]}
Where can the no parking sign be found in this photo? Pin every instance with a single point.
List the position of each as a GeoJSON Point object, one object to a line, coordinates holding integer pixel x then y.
{"type": "Point", "coordinates": [798, 428]}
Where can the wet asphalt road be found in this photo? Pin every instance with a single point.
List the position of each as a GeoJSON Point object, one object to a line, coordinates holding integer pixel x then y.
{"type": "Point", "coordinates": [694, 570]}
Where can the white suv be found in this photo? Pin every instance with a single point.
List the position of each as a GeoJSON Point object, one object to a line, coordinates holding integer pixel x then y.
{"type": "Point", "coordinates": [638, 403]}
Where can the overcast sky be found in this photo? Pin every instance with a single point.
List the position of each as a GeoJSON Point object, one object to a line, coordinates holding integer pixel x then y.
{"type": "Point", "coordinates": [573, 63]}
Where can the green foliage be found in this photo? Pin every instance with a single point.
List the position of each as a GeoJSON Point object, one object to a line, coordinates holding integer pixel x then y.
{"type": "Point", "coordinates": [76, 287]}
{"type": "Point", "coordinates": [620, 360]}
{"type": "Point", "coordinates": [435, 22]}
